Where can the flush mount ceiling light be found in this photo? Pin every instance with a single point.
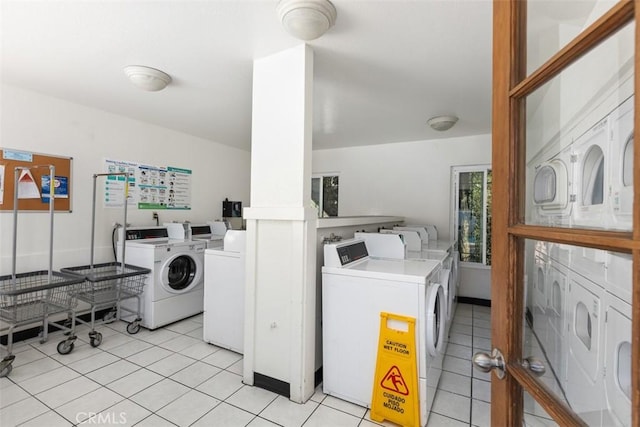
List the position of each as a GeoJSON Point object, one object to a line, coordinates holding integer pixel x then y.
{"type": "Point", "coordinates": [306, 19]}
{"type": "Point", "coordinates": [147, 78]}
{"type": "Point", "coordinates": [442, 123]}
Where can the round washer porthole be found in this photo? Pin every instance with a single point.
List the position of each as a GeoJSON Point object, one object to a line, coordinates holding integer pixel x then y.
{"type": "Point", "coordinates": [180, 273]}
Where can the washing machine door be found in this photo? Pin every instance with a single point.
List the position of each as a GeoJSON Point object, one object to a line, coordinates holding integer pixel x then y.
{"type": "Point", "coordinates": [448, 286]}
{"type": "Point", "coordinates": [436, 318]}
{"type": "Point", "coordinates": [623, 187]}
{"type": "Point", "coordinates": [181, 272]}
{"type": "Point", "coordinates": [454, 272]}
{"type": "Point", "coordinates": [550, 185]}
{"type": "Point", "coordinates": [618, 374]}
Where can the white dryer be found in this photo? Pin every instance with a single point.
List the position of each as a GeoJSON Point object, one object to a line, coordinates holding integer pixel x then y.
{"type": "Point", "coordinates": [174, 289]}
{"type": "Point", "coordinates": [619, 274]}
{"type": "Point", "coordinates": [590, 176]}
{"type": "Point", "coordinates": [617, 360]}
{"type": "Point", "coordinates": [621, 172]}
{"type": "Point", "coordinates": [355, 289]}
{"type": "Point", "coordinates": [540, 291]}
{"type": "Point", "coordinates": [552, 189]}
{"type": "Point", "coordinates": [557, 349]}
{"type": "Point", "coordinates": [585, 373]}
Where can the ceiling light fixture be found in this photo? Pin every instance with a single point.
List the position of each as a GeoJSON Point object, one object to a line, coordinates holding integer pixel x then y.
{"type": "Point", "coordinates": [442, 123]}
{"type": "Point", "coordinates": [306, 19]}
{"type": "Point", "coordinates": [147, 78]}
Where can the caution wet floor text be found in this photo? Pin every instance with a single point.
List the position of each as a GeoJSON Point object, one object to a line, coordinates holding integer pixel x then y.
{"type": "Point", "coordinates": [395, 387]}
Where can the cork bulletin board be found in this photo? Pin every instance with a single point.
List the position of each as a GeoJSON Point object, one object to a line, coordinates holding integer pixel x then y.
{"type": "Point", "coordinates": [34, 187]}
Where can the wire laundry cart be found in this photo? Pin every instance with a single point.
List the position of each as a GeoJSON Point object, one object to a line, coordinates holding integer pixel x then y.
{"type": "Point", "coordinates": [34, 296]}
{"type": "Point", "coordinates": [29, 297]}
{"type": "Point", "coordinates": [107, 285]}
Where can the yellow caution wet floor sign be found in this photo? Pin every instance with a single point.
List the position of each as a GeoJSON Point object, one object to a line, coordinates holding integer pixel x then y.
{"type": "Point", "coordinates": [395, 387]}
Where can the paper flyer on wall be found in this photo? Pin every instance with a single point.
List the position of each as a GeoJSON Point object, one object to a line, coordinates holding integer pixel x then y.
{"type": "Point", "coordinates": [60, 188]}
{"type": "Point", "coordinates": [27, 187]}
{"type": "Point", "coordinates": [1, 184]}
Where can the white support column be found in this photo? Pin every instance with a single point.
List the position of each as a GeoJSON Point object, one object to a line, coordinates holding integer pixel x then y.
{"type": "Point", "coordinates": [281, 228]}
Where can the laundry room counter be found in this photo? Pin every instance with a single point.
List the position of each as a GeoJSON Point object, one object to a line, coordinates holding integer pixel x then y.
{"type": "Point", "coordinates": [347, 221]}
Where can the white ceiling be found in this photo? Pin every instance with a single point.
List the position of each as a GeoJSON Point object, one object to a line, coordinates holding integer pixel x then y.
{"type": "Point", "coordinates": [380, 72]}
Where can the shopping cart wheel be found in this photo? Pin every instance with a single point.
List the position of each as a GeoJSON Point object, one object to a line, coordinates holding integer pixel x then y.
{"type": "Point", "coordinates": [95, 339]}
{"type": "Point", "coordinates": [109, 317]}
{"type": "Point", "coordinates": [133, 327]}
{"type": "Point", "coordinates": [6, 366]}
{"type": "Point", "coordinates": [65, 347]}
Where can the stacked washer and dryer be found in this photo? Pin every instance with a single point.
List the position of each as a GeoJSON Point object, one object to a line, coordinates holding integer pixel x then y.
{"type": "Point", "coordinates": [581, 297]}
{"type": "Point", "coordinates": [174, 289]}
{"type": "Point", "coordinates": [356, 288]}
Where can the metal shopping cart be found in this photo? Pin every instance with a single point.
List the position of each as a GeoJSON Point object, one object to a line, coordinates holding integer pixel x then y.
{"type": "Point", "coordinates": [107, 285]}
{"type": "Point", "coordinates": [30, 297]}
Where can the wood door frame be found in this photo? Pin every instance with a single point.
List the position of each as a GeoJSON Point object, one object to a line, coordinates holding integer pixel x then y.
{"type": "Point", "coordinates": [510, 88]}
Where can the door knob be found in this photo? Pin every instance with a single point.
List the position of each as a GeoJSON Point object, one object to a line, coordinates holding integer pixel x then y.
{"type": "Point", "coordinates": [485, 362]}
{"type": "Point", "coordinates": [535, 365]}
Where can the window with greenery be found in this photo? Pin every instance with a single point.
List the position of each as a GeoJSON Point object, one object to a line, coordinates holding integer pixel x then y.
{"type": "Point", "coordinates": [324, 194]}
{"type": "Point", "coordinates": [472, 216]}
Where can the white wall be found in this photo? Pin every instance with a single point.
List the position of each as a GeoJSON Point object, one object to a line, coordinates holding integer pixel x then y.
{"type": "Point", "coordinates": [412, 180]}
{"type": "Point", "coordinates": [38, 123]}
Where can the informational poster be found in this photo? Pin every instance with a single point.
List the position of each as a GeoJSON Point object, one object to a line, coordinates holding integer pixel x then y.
{"type": "Point", "coordinates": [179, 196]}
{"type": "Point", "coordinates": [60, 187]}
{"type": "Point", "coordinates": [150, 187]}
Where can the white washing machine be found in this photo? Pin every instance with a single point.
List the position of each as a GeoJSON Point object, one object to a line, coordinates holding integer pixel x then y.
{"type": "Point", "coordinates": [560, 253]}
{"type": "Point", "coordinates": [422, 232]}
{"type": "Point", "coordinates": [392, 245]}
{"type": "Point", "coordinates": [205, 233]}
{"type": "Point", "coordinates": [590, 177]}
{"type": "Point", "coordinates": [355, 289]}
{"type": "Point", "coordinates": [224, 290]}
{"type": "Point", "coordinates": [410, 238]}
{"type": "Point", "coordinates": [178, 230]}
{"type": "Point", "coordinates": [557, 349]}
{"type": "Point", "coordinates": [174, 290]}
{"type": "Point", "coordinates": [621, 177]}
{"type": "Point", "coordinates": [617, 360]}
{"type": "Point", "coordinates": [432, 231]}
{"type": "Point", "coordinates": [589, 262]}
{"type": "Point", "coordinates": [619, 274]}
{"type": "Point", "coordinates": [552, 190]}
{"type": "Point", "coordinates": [585, 373]}
{"type": "Point", "coordinates": [539, 296]}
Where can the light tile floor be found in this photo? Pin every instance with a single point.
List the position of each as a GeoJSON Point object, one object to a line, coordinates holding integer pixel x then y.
{"type": "Point", "coordinates": [171, 377]}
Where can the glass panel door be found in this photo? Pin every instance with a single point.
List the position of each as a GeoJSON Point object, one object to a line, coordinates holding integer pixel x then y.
{"type": "Point", "coordinates": [565, 228]}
